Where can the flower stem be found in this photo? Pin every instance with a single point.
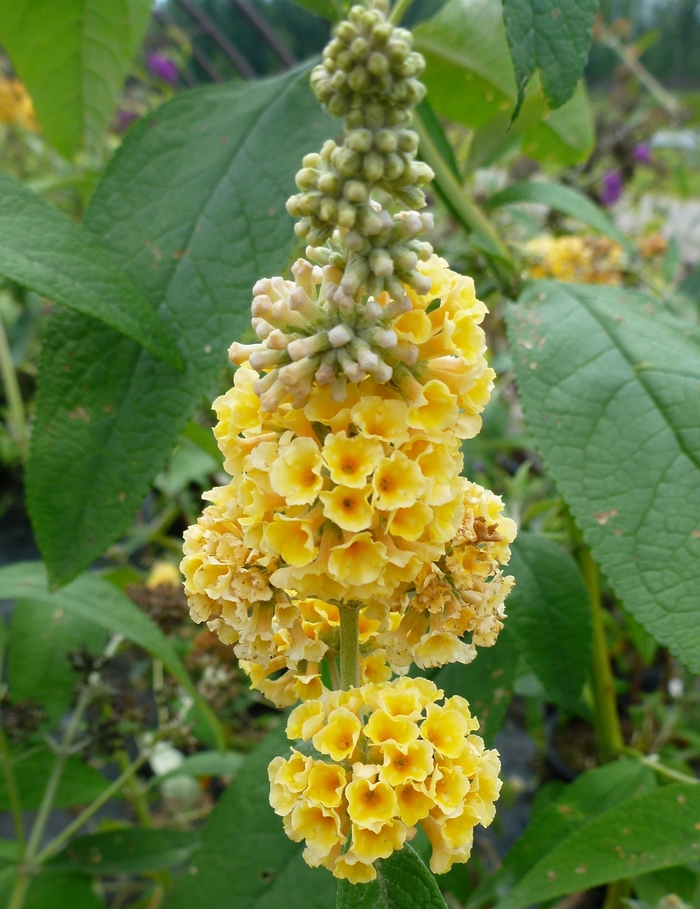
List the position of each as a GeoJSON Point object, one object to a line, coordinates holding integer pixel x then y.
{"type": "Point", "coordinates": [12, 790]}
{"type": "Point", "coordinates": [16, 418]}
{"type": "Point", "coordinates": [349, 647]}
{"type": "Point", "coordinates": [607, 719]}
{"type": "Point", "coordinates": [399, 10]}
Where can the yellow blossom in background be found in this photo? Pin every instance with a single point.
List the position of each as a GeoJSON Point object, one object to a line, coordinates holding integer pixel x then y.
{"type": "Point", "coordinates": [16, 108]}
{"type": "Point", "coordinates": [587, 259]}
{"type": "Point", "coordinates": [415, 760]}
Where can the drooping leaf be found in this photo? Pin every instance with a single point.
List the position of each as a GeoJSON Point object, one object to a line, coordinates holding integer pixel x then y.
{"type": "Point", "coordinates": [73, 57]}
{"type": "Point", "coordinates": [549, 616]}
{"type": "Point", "coordinates": [552, 36]}
{"type": "Point", "coordinates": [470, 79]}
{"type": "Point", "coordinates": [42, 249]}
{"type": "Point", "coordinates": [564, 199]}
{"type": "Point", "coordinates": [128, 851]}
{"type": "Point", "coordinates": [62, 891]}
{"type": "Point", "coordinates": [403, 882]}
{"type": "Point", "coordinates": [246, 859]}
{"type": "Point", "coordinates": [608, 383]}
{"type": "Point", "coordinates": [592, 793]}
{"type": "Point", "coordinates": [192, 206]}
{"type": "Point", "coordinates": [486, 682]}
{"type": "Point", "coordinates": [41, 637]}
{"type": "Point", "coordinates": [207, 763]}
{"type": "Point", "coordinates": [79, 785]}
{"type": "Point", "coordinates": [656, 830]}
{"type": "Point", "coordinates": [96, 600]}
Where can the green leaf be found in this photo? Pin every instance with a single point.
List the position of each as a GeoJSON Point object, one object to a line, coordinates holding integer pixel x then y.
{"type": "Point", "coordinates": [246, 860]}
{"type": "Point", "coordinates": [193, 208]}
{"type": "Point", "coordinates": [403, 882]}
{"type": "Point", "coordinates": [207, 763]}
{"type": "Point", "coordinates": [9, 852]}
{"type": "Point", "coordinates": [79, 785]}
{"type": "Point", "coordinates": [552, 36]}
{"type": "Point", "coordinates": [73, 57]}
{"type": "Point", "coordinates": [41, 636]}
{"type": "Point", "coordinates": [549, 616]}
{"type": "Point", "coordinates": [62, 891]}
{"type": "Point", "coordinates": [608, 384]}
{"type": "Point", "coordinates": [564, 199]}
{"type": "Point", "coordinates": [94, 599]}
{"type": "Point", "coordinates": [470, 79]}
{"type": "Point", "coordinates": [127, 851]}
{"type": "Point", "coordinates": [657, 830]}
{"type": "Point", "coordinates": [651, 888]}
{"type": "Point", "coordinates": [487, 682]}
{"type": "Point", "coordinates": [326, 9]}
{"type": "Point", "coordinates": [592, 793]}
{"type": "Point", "coordinates": [42, 249]}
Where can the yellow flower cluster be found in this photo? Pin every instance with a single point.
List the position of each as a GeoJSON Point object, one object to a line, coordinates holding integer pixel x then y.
{"type": "Point", "coordinates": [586, 259]}
{"type": "Point", "coordinates": [383, 758]}
{"type": "Point", "coordinates": [16, 108]}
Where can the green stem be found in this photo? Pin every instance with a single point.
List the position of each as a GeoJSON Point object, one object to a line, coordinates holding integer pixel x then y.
{"type": "Point", "coordinates": [399, 10]}
{"type": "Point", "coordinates": [332, 664]}
{"type": "Point", "coordinates": [349, 647]}
{"type": "Point", "coordinates": [19, 892]}
{"type": "Point", "coordinates": [615, 894]}
{"type": "Point", "coordinates": [469, 214]}
{"type": "Point", "coordinates": [607, 719]}
{"type": "Point", "coordinates": [95, 806]}
{"type": "Point", "coordinates": [12, 790]}
{"type": "Point", "coordinates": [654, 764]}
{"type": "Point", "coordinates": [16, 417]}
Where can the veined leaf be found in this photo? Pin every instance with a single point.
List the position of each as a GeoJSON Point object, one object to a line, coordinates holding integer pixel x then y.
{"type": "Point", "coordinates": [609, 385]}
{"type": "Point", "coordinates": [42, 249]}
{"type": "Point", "coordinates": [552, 36]}
{"type": "Point", "coordinates": [246, 859]}
{"type": "Point", "coordinates": [93, 599]}
{"type": "Point", "coordinates": [564, 199]}
{"type": "Point", "coordinates": [470, 79]}
{"type": "Point", "coordinates": [549, 616]}
{"type": "Point", "coordinates": [129, 851]}
{"type": "Point", "coordinates": [657, 830]}
{"type": "Point", "coordinates": [73, 57]}
{"type": "Point", "coordinates": [403, 882]}
{"type": "Point", "coordinates": [192, 206]}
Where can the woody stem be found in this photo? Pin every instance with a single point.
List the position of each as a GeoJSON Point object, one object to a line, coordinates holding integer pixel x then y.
{"type": "Point", "coordinates": [349, 647]}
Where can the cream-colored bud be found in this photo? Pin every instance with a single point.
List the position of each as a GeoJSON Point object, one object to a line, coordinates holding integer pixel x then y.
{"type": "Point", "coordinates": [407, 353]}
{"type": "Point", "coordinates": [309, 346]}
{"type": "Point", "coordinates": [340, 335]}
{"type": "Point", "coordinates": [330, 184]}
{"type": "Point", "coordinates": [239, 353]}
{"type": "Point", "coordinates": [359, 140]}
{"type": "Point", "coordinates": [381, 263]}
{"type": "Point", "coordinates": [373, 166]}
{"type": "Point", "coordinates": [266, 359]}
{"type": "Point", "coordinates": [355, 191]}
{"type": "Point", "coordinates": [278, 340]}
{"type": "Point", "coordinates": [300, 371]}
{"type": "Point", "coordinates": [261, 328]}
{"type": "Point", "coordinates": [325, 373]}
{"type": "Point", "coordinates": [351, 367]}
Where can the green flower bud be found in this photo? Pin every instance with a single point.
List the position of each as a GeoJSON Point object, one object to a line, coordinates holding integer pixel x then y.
{"type": "Point", "coordinates": [358, 80]}
{"type": "Point", "coordinates": [373, 166]}
{"type": "Point", "coordinates": [377, 63]}
{"type": "Point", "coordinates": [328, 210]}
{"type": "Point", "coordinates": [386, 141]}
{"type": "Point", "coordinates": [306, 178]}
{"type": "Point", "coordinates": [381, 263]}
{"type": "Point", "coordinates": [329, 184]}
{"type": "Point", "coordinates": [355, 191]}
{"type": "Point", "coordinates": [359, 49]}
{"type": "Point", "coordinates": [347, 214]}
{"type": "Point", "coordinates": [394, 166]}
{"type": "Point", "coordinates": [359, 140]}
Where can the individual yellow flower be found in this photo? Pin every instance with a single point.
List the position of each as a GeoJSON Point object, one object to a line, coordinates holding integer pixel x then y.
{"type": "Point", "coordinates": [385, 729]}
{"type": "Point", "coordinates": [351, 459]}
{"type": "Point", "coordinates": [339, 737]}
{"type": "Point", "coordinates": [296, 474]}
{"type": "Point", "coordinates": [326, 784]}
{"type": "Point", "coordinates": [369, 845]}
{"type": "Point", "coordinates": [398, 482]}
{"type": "Point", "coordinates": [446, 730]}
{"type": "Point", "coordinates": [359, 561]}
{"type": "Point", "coordinates": [371, 805]}
{"type": "Point", "coordinates": [411, 763]}
{"type": "Point", "coordinates": [348, 508]}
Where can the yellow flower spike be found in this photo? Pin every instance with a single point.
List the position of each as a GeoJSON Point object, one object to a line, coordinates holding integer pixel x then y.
{"type": "Point", "coordinates": [368, 845]}
{"type": "Point", "coordinates": [398, 483]}
{"type": "Point", "coordinates": [348, 508]}
{"type": "Point", "coordinates": [371, 805]}
{"type": "Point", "coordinates": [350, 460]}
{"type": "Point", "coordinates": [412, 763]}
{"type": "Point", "coordinates": [359, 561]}
{"type": "Point", "coordinates": [306, 720]}
{"type": "Point", "coordinates": [385, 729]}
{"type": "Point", "coordinates": [326, 785]}
{"type": "Point", "coordinates": [340, 736]}
{"type": "Point", "coordinates": [296, 474]}
{"type": "Point", "coordinates": [446, 731]}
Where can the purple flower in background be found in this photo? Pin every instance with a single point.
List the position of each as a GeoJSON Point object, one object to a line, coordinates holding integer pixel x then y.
{"type": "Point", "coordinates": [642, 153]}
{"type": "Point", "coordinates": [162, 67]}
{"type": "Point", "coordinates": [125, 118]}
{"type": "Point", "coordinates": [612, 187]}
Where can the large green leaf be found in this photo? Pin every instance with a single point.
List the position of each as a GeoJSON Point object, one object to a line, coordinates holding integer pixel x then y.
{"type": "Point", "coordinates": [62, 891]}
{"type": "Point", "coordinates": [592, 793]}
{"type": "Point", "coordinates": [549, 616]}
{"type": "Point", "coordinates": [564, 199]}
{"type": "Point", "coordinates": [42, 249]}
{"type": "Point", "coordinates": [79, 784]}
{"type": "Point", "coordinates": [41, 637]}
{"type": "Point", "coordinates": [73, 56]}
{"type": "Point", "coordinates": [470, 79]}
{"type": "Point", "coordinates": [192, 206]}
{"type": "Point", "coordinates": [657, 830]}
{"type": "Point", "coordinates": [127, 851]}
{"type": "Point", "coordinates": [552, 36]}
{"type": "Point", "coordinates": [402, 882]}
{"type": "Point", "coordinates": [246, 860]}
{"type": "Point", "coordinates": [95, 600]}
{"type": "Point", "coordinates": [487, 682]}
{"type": "Point", "coordinates": [609, 385]}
